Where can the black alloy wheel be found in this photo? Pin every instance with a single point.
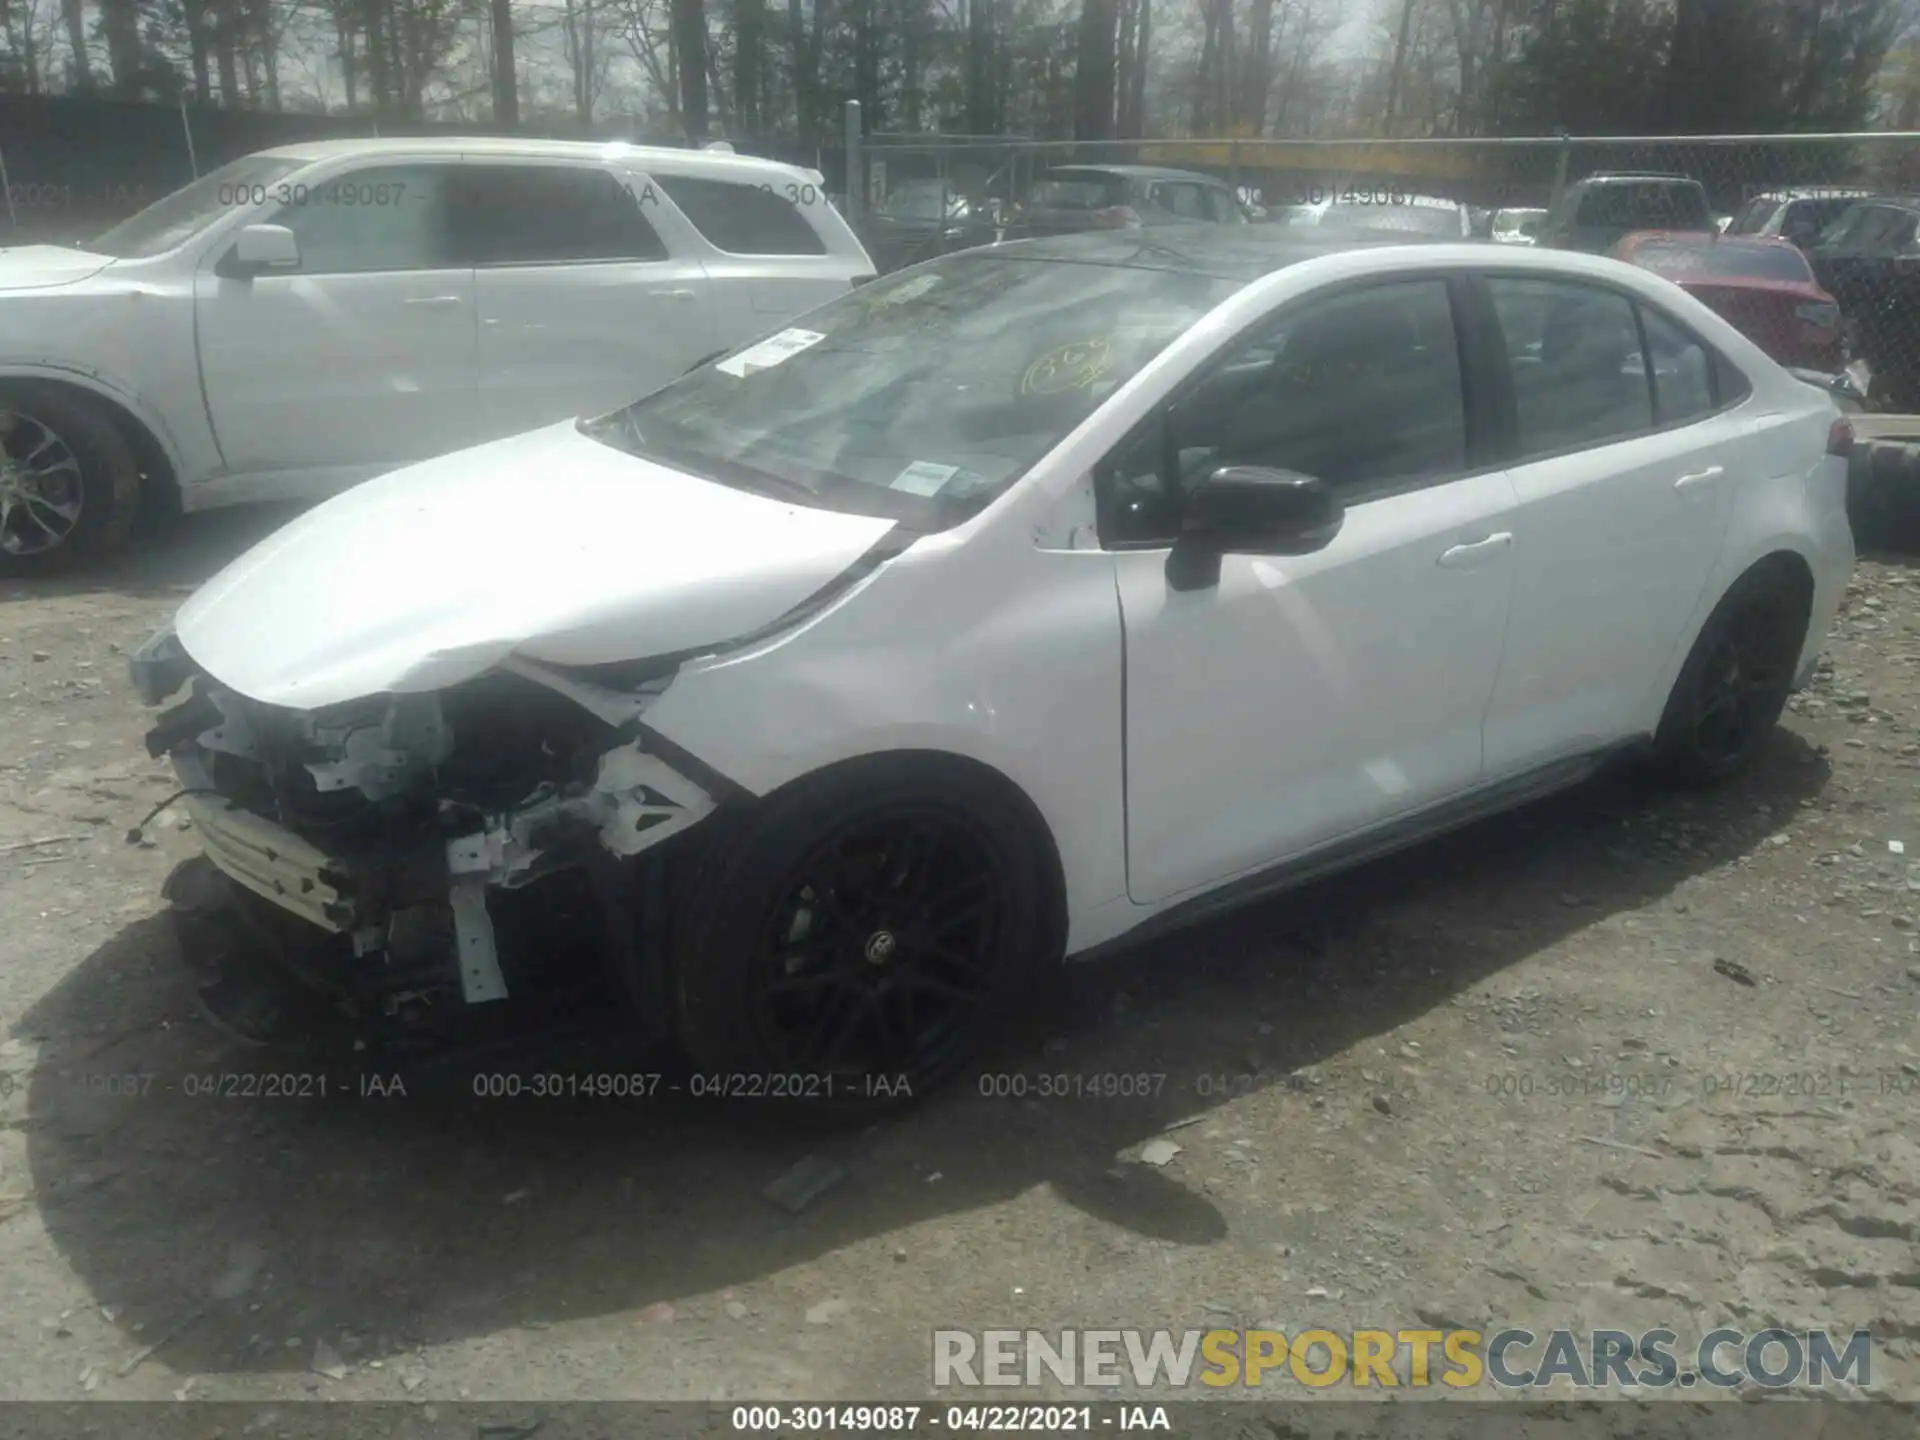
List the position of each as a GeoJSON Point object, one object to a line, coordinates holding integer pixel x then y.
{"type": "Point", "coordinates": [883, 947]}
{"type": "Point", "coordinates": [860, 936]}
{"type": "Point", "coordinates": [1735, 683]}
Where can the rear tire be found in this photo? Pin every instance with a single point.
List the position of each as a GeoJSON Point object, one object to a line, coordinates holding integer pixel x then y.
{"type": "Point", "coordinates": [69, 481]}
{"type": "Point", "coordinates": [859, 938]}
{"type": "Point", "coordinates": [1736, 680]}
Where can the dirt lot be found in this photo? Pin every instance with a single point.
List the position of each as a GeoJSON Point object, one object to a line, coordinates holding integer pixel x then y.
{"type": "Point", "coordinates": [1545, 1072]}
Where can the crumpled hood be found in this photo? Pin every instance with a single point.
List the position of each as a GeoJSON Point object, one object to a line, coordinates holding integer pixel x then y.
{"type": "Point", "coordinates": [549, 545]}
{"type": "Point", "coordinates": [27, 267]}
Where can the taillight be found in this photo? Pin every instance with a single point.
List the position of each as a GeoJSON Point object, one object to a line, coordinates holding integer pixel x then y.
{"type": "Point", "coordinates": [1840, 439]}
{"type": "Point", "coordinates": [1117, 217]}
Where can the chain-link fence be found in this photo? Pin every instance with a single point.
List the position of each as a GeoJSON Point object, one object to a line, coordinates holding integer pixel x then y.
{"type": "Point", "coordinates": [1837, 212]}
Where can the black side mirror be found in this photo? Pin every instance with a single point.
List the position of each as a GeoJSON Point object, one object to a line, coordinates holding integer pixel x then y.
{"type": "Point", "coordinates": [1250, 510]}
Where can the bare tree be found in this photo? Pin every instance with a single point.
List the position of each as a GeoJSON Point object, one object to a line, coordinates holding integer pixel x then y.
{"type": "Point", "coordinates": [1093, 81]}
{"type": "Point", "coordinates": [587, 58]}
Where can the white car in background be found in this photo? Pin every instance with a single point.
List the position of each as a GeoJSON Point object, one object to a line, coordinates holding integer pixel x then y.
{"type": "Point", "coordinates": [307, 317]}
{"type": "Point", "coordinates": [1517, 225]}
{"type": "Point", "coordinates": [1015, 604]}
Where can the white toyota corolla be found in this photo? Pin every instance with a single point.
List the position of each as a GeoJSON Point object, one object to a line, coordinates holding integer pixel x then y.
{"type": "Point", "coordinates": [1012, 605]}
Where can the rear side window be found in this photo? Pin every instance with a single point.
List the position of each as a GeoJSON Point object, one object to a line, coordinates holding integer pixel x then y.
{"type": "Point", "coordinates": [1682, 370]}
{"type": "Point", "coordinates": [1574, 353]}
{"type": "Point", "coordinates": [744, 219]}
{"type": "Point", "coordinates": [549, 215]}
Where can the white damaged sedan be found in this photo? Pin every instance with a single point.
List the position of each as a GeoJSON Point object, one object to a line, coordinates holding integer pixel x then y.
{"type": "Point", "coordinates": [1012, 606]}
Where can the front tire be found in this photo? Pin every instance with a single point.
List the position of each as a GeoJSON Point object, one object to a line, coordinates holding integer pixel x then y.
{"type": "Point", "coordinates": [859, 937]}
{"type": "Point", "coordinates": [69, 481]}
{"type": "Point", "coordinates": [1736, 680]}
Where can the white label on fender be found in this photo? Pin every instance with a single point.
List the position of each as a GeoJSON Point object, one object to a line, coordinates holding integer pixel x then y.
{"type": "Point", "coordinates": [923, 477]}
{"type": "Point", "coordinates": [769, 352]}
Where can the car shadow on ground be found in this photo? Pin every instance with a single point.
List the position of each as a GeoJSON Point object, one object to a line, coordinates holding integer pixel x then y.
{"type": "Point", "coordinates": [455, 1217]}
{"type": "Point", "coordinates": [171, 556]}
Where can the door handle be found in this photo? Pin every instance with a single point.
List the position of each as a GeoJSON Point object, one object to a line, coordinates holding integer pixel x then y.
{"type": "Point", "coordinates": [1699, 477]}
{"type": "Point", "coordinates": [1459, 557]}
{"type": "Point", "coordinates": [434, 302]}
{"type": "Point", "coordinates": [674, 294]}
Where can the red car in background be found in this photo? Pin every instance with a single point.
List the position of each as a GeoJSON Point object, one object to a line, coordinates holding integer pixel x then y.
{"type": "Point", "coordinates": [1761, 285]}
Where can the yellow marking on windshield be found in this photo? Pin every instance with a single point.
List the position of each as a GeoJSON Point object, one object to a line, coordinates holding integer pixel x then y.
{"type": "Point", "coordinates": [1073, 366]}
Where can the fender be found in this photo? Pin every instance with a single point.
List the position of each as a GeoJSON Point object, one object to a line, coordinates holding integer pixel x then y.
{"type": "Point", "coordinates": [111, 389]}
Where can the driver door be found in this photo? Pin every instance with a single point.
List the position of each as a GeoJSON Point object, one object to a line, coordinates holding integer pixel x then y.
{"type": "Point", "coordinates": [1305, 697]}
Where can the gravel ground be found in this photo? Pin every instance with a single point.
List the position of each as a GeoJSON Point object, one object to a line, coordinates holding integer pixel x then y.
{"type": "Point", "coordinates": [1548, 1071]}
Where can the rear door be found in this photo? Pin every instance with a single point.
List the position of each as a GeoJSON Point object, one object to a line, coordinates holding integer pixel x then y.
{"type": "Point", "coordinates": [583, 305]}
{"type": "Point", "coordinates": [1624, 473]}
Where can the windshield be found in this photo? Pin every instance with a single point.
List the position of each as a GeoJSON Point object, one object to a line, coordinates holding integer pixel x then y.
{"type": "Point", "coordinates": [923, 395]}
{"type": "Point", "coordinates": [1724, 261]}
{"type": "Point", "coordinates": [173, 219]}
{"type": "Point", "coordinates": [1418, 219]}
{"type": "Point", "coordinates": [1088, 192]}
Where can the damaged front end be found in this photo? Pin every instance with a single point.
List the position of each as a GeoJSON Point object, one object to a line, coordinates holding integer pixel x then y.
{"type": "Point", "coordinates": [407, 856]}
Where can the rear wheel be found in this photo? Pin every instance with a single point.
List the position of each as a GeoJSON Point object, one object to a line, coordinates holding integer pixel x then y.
{"type": "Point", "coordinates": [69, 482]}
{"type": "Point", "coordinates": [859, 938]}
{"type": "Point", "coordinates": [1736, 680]}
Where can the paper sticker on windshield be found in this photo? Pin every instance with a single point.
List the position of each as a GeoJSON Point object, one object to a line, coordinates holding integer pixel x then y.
{"type": "Point", "coordinates": [923, 477]}
{"type": "Point", "coordinates": [1074, 366]}
{"type": "Point", "coordinates": [769, 352]}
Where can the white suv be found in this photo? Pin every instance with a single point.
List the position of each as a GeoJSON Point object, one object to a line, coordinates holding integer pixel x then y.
{"type": "Point", "coordinates": [307, 317]}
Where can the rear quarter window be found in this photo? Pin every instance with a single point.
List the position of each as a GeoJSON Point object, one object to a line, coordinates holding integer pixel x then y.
{"type": "Point", "coordinates": [745, 219]}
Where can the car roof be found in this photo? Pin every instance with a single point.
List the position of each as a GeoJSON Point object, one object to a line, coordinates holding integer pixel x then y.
{"type": "Point", "coordinates": [714, 162]}
{"type": "Point", "coordinates": [1130, 172]}
{"type": "Point", "coordinates": [1225, 252]}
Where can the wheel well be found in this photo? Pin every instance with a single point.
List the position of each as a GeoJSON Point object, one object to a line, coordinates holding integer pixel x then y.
{"type": "Point", "coordinates": [159, 486]}
{"type": "Point", "coordinates": [1792, 571]}
{"type": "Point", "coordinates": [979, 774]}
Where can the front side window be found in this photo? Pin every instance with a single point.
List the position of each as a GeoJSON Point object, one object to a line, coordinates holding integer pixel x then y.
{"type": "Point", "coordinates": [1574, 354]}
{"type": "Point", "coordinates": [747, 219]}
{"type": "Point", "coordinates": [381, 218]}
{"type": "Point", "coordinates": [549, 215]}
{"type": "Point", "coordinates": [1225, 206]}
{"type": "Point", "coordinates": [1183, 200]}
{"type": "Point", "coordinates": [922, 395]}
{"type": "Point", "coordinates": [1361, 390]}
{"type": "Point", "coordinates": [1078, 192]}
{"type": "Point", "coordinates": [174, 219]}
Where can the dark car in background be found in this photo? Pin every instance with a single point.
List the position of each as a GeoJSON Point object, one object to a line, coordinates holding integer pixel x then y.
{"type": "Point", "coordinates": [1073, 198]}
{"type": "Point", "coordinates": [1761, 285]}
{"type": "Point", "coordinates": [920, 219]}
{"type": "Point", "coordinates": [1597, 213]}
{"type": "Point", "coordinates": [1801, 215]}
{"type": "Point", "coordinates": [1869, 261]}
